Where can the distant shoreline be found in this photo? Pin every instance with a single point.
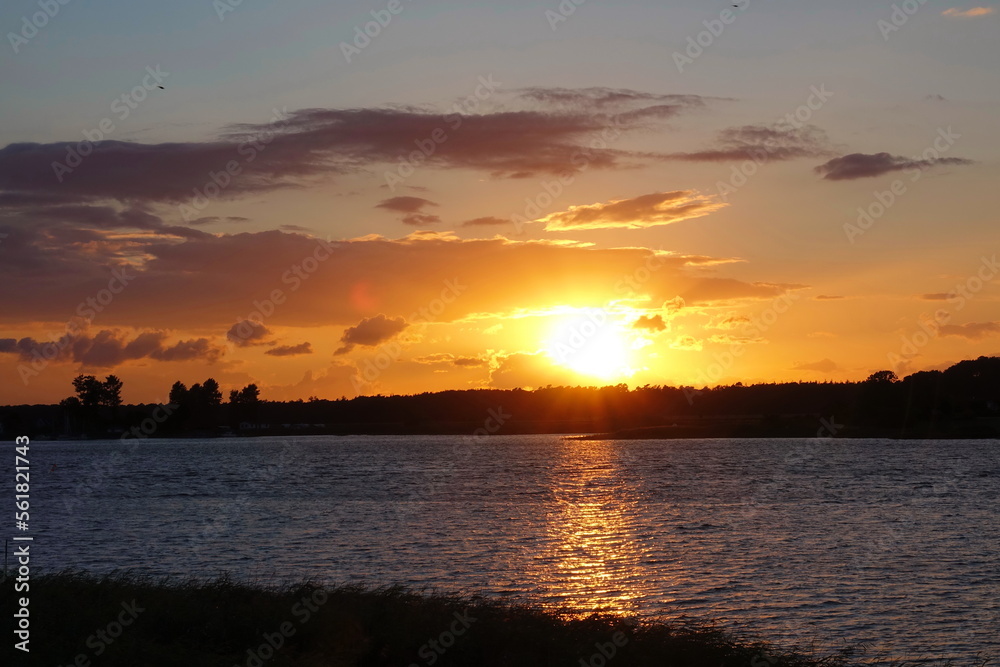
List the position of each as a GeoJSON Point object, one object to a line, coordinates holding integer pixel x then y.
{"type": "Point", "coordinates": [960, 402]}
{"type": "Point", "coordinates": [701, 429]}
{"type": "Point", "coordinates": [677, 432]}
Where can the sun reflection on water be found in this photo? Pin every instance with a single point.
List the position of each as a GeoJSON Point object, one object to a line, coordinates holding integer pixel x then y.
{"type": "Point", "coordinates": [592, 551]}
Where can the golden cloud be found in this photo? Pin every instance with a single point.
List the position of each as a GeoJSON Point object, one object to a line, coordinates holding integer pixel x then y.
{"type": "Point", "coordinates": [658, 208]}
{"type": "Point", "coordinates": [975, 12]}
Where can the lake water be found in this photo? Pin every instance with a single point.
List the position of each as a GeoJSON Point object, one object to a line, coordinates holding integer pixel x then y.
{"type": "Point", "coordinates": [808, 542]}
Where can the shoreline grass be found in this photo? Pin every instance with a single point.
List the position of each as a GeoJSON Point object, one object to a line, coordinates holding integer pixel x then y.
{"type": "Point", "coordinates": [83, 619]}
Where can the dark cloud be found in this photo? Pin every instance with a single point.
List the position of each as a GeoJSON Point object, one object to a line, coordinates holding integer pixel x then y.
{"type": "Point", "coordinates": [674, 305]}
{"type": "Point", "coordinates": [103, 217]}
{"type": "Point", "coordinates": [469, 362]}
{"type": "Point", "coordinates": [486, 221]}
{"type": "Point", "coordinates": [448, 358]}
{"type": "Point", "coordinates": [614, 99]}
{"type": "Point", "coordinates": [413, 207]}
{"type": "Point", "coordinates": [297, 148]}
{"type": "Point", "coordinates": [862, 165]}
{"type": "Point", "coordinates": [972, 330]}
{"type": "Point", "coordinates": [125, 171]}
{"type": "Point", "coordinates": [290, 350]}
{"type": "Point", "coordinates": [937, 296]}
{"type": "Point", "coordinates": [371, 331]}
{"type": "Point", "coordinates": [37, 226]}
{"type": "Point", "coordinates": [405, 204]}
{"type": "Point", "coordinates": [828, 297]}
{"type": "Point", "coordinates": [246, 333]}
{"type": "Point", "coordinates": [729, 322]}
{"type": "Point", "coordinates": [654, 323]}
{"type": "Point", "coordinates": [763, 143]}
{"type": "Point", "coordinates": [188, 350]}
{"type": "Point", "coordinates": [211, 219]}
{"type": "Point", "coordinates": [109, 348]}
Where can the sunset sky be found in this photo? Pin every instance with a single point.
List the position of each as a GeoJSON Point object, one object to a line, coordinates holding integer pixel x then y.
{"type": "Point", "coordinates": [498, 195]}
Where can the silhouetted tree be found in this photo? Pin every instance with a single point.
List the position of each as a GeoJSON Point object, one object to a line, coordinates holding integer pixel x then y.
{"type": "Point", "coordinates": [89, 390]}
{"type": "Point", "coordinates": [92, 393]}
{"type": "Point", "coordinates": [249, 395]}
{"type": "Point", "coordinates": [72, 410]}
{"type": "Point", "coordinates": [210, 392]}
{"type": "Point", "coordinates": [882, 377]}
{"type": "Point", "coordinates": [244, 404]}
{"type": "Point", "coordinates": [112, 391]}
{"type": "Point", "coordinates": [178, 393]}
{"type": "Point", "coordinates": [198, 406]}
{"type": "Point", "coordinates": [111, 395]}
{"type": "Point", "coordinates": [961, 401]}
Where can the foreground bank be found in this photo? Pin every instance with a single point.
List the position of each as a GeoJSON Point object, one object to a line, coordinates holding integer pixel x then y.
{"type": "Point", "coordinates": [80, 619]}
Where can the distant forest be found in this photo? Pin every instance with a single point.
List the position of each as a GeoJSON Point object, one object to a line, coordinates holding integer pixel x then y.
{"type": "Point", "coordinates": [962, 401]}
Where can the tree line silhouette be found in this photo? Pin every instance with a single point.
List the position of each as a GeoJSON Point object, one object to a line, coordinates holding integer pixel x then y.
{"type": "Point", "coordinates": [961, 401]}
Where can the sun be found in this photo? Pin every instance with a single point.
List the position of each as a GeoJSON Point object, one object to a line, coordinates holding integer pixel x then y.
{"type": "Point", "coordinates": [590, 342]}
